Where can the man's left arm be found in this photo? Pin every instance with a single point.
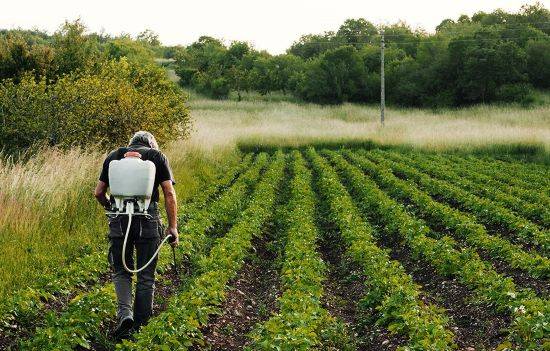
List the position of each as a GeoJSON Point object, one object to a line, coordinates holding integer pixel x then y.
{"type": "Point", "coordinates": [100, 194]}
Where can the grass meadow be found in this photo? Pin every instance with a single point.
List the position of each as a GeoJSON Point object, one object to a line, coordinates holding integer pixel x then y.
{"type": "Point", "coordinates": [219, 123]}
{"type": "Point", "coordinates": [49, 216]}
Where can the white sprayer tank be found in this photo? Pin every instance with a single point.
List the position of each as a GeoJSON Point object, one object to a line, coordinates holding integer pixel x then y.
{"type": "Point", "coordinates": [132, 178]}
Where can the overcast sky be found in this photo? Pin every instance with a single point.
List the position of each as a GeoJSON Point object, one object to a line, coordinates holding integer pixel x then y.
{"type": "Point", "coordinates": [271, 25]}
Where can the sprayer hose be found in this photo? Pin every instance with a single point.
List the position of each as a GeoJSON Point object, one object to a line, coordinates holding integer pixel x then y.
{"type": "Point", "coordinates": [124, 249]}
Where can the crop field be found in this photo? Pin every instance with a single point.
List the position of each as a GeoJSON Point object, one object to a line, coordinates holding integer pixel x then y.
{"type": "Point", "coordinates": [328, 249]}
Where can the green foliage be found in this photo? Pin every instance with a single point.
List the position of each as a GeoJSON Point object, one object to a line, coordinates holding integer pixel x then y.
{"type": "Point", "coordinates": [104, 106]}
{"type": "Point", "coordinates": [18, 57]}
{"type": "Point", "coordinates": [73, 50]}
{"type": "Point", "coordinates": [531, 205]}
{"type": "Point", "coordinates": [149, 37]}
{"type": "Point", "coordinates": [463, 226]}
{"type": "Point", "coordinates": [529, 313]}
{"type": "Point", "coordinates": [118, 48]}
{"type": "Point", "coordinates": [538, 62]}
{"type": "Point", "coordinates": [334, 77]}
{"type": "Point", "coordinates": [390, 290]}
{"type": "Point", "coordinates": [20, 312]}
{"type": "Point", "coordinates": [301, 321]}
{"type": "Point", "coordinates": [495, 57]}
{"type": "Point", "coordinates": [492, 214]}
{"type": "Point", "coordinates": [67, 89]}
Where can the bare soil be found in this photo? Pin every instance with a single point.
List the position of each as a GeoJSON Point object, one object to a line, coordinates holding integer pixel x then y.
{"type": "Point", "coordinates": [251, 299]}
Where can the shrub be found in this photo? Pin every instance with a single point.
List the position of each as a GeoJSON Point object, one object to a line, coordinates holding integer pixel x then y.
{"type": "Point", "coordinates": [103, 107]}
{"type": "Point", "coordinates": [515, 93]}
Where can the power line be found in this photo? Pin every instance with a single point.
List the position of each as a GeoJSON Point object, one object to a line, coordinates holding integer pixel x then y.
{"type": "Point", "coordinates": [423, 41]}
{"type": "Point", "coordinates": [520, 26]}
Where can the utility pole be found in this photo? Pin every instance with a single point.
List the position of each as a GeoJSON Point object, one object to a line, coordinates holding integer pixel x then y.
{"type": "Point", "coordinates": [382, 82]}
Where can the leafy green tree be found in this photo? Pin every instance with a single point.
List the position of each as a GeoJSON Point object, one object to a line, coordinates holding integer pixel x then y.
{"type": "Point", "coordinates": [149, 37]}
{"type": "Point", "coordinates": [535, 15]}
{"type": "Point", "coordinates": [75, 110]}
{"type": "Point", "coordinates": [371, 56]}
{"type": "Point", "coordinates": [334, 77]}
{"type": "Point", "coordinates": [126, 47]}
{"type": "Point", "coordinates": [18, 57]}
{"type": "Point", "coordinates": [481, 66]}
{"type": "Point", "coordinates": [538, 62]}
{"type": "Point", "coordinates": [401, 36]}
{"type": "Point", "coordinates": [312, 45]}
{"type": "Point", "coordinates": [73, 49]}
{"type": "Point", "coordinates": [357, 32]}
{"type": "Point", "coordinates": [238, 68]}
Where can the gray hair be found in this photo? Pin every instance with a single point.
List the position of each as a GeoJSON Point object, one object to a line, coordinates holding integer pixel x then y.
{"type": "Point", "coordinates": [146, 138]}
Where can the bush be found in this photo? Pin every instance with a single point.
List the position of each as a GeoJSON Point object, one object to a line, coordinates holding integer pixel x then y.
{"type": "Point", "coordinates": [334, 77]}
{"type": "Point", "coordinates": [515, 93]}
{"type": "Point", "coordinates": [102, 107]}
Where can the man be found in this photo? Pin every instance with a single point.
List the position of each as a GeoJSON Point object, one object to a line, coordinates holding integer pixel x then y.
{"type": "Point", "coordinates": [144, 235]}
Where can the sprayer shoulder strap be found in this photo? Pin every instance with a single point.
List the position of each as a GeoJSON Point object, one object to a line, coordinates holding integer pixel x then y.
{"type": "Point", "coordinates": [121, 151]}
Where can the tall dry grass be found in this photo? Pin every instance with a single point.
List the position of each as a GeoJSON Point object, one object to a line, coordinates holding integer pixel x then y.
{"type": "Point", "coordinates": [227, 122]}
{"type": "Point", "coordinates": [48, 215]}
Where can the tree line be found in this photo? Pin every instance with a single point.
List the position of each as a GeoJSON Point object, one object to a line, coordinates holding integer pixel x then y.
{"type": "Point", "coordinates": [488, 57]}
{"type": "Point", "coordinates": [75, 88]}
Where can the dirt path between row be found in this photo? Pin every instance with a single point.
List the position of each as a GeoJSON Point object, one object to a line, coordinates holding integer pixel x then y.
{"type": "Point", "coordinates": [250, 299]}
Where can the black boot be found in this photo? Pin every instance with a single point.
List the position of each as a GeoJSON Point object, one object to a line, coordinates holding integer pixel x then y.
{"type": "Point", "coordinates": [123, 329]}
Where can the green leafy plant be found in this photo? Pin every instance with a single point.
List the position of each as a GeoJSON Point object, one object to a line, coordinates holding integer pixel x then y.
{"type": "Point", "coordinates": [530, 313]}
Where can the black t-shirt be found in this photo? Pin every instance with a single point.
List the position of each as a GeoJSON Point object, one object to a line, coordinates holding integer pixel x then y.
{"type": "Point", "coordinates": [163, 170]}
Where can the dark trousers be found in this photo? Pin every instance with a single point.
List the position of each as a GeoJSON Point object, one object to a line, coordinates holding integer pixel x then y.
{"type": "Point", "coordinates": [143, 239]}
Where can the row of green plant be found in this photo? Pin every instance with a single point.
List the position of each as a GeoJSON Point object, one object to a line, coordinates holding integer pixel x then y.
{"type": "Point", "coordinates": [530, 314]}
{"type": "Point", "coordinates": [24, 308]}
{"type": "Point", "coordinates": [479, 184]}
{"type": "Point", "coordinates": [389, 289]}
{"type": "Point", "coordinates": [201, 198]}
{"type": "Point", "coordinates": [179, 326]}
{"type": "Point", "coordinates": [526, 171]}
{"type": "Point", "coordinates": [484, 210]}
{"type": "Point", "coordinates": [85, 320]}
{"type": "Point", "coordinates": [463, 226]}
{"type": "Point", "coordinates": [528, 190]}
{"type": "Point", "coordinates": [301, 320]}
{"type": "Point", "coordinates": [514, 176]}
{"type": "Point", "coordinates": [221, 213]}
{"type": "Point", "coordinates": [56, 329]}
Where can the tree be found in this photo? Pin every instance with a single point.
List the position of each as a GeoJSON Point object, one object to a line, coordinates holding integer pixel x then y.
{"type": "Point", "coordinates": [334, 77]}
{"type": "Point", "coordinates": [18, 57]}
{"type": "Point", "coordinates": [73, 49]}
{"type": "Point", "coordinates": [126, 47]}
{"type": "Point", "coordinates": [481, 66]}
{"type": "Point", "coordinates": [312, 45]}
{"type": "Point", "coordinates": [149, 37]}
{"type": "Point", "coordinates": [538, 62]}
{"type": "Point", "coordinates": [357, 32]}
{"type": "Point", "coordinates": [401, 36]}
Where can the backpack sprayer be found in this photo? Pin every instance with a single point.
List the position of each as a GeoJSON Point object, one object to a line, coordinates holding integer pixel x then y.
{"type": "Point", "coordinates": [131, 182]}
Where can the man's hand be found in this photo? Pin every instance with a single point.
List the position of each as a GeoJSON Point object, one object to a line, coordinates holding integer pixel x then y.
{"type": "Point", "coordinates": [175, 236]}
